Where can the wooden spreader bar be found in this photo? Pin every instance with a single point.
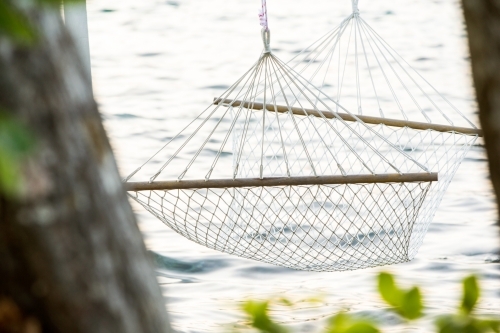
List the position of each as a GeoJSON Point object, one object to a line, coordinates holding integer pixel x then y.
{"type": "Point", "coordinates": [347, 117]}
{"type": "Point", "coordinates": [280, 181]}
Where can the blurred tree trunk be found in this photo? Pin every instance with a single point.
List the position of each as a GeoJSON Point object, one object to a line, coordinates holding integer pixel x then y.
{"type": "Point", "coordinates": [71, 255]}
{"type": "Point", "coordinates": [482, 18]}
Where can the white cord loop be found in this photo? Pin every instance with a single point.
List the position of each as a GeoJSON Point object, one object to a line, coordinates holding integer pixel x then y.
{"type": "Point", "coordinates": [266, 39]}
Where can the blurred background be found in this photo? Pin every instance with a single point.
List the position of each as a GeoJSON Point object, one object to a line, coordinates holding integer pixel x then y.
{"type": "Point", "coordinates": [156, 64]}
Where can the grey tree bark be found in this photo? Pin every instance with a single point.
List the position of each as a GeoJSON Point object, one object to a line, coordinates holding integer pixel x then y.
{"type": "Point", "coordinates": [482, 19]}
{"type": "Point", "coordinates": [71, 255]}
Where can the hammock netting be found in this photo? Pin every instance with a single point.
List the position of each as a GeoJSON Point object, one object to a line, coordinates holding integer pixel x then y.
{"type": "Point", "coordinates": [328, 162]}
{"type": "Point", "coordinates": [355, 66]}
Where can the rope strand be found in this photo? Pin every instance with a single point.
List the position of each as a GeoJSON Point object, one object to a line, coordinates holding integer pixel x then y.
{"type": "Point", "coordinates": [263, 16]}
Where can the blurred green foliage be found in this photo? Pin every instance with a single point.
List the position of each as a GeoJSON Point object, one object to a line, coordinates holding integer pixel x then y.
{"type": "Point", "coordinates": [15, 143]}
{"type": "Point", "coordinates": [15, 140]}
{"type": "Point", "coordinates": [408, 304]}
{"type": "Point", "coordinates": [258, 313]}
{"type": "Point", "coordinates": [470, 294]}
{"type": "Point", "coordinates": [464, 321]}
{"type": "Point", "coordinates": [15, 25]}
{"type": "Point", "coordinates": [344, 323]}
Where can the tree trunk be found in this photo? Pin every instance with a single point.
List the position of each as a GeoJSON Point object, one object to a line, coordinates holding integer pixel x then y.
{"type": "Point", "coordinates": [482, 18]}
{"type": "Point", "coordinates": [71, 255]}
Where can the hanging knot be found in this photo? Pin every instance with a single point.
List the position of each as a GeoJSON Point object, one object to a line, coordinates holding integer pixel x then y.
{"type": "Point", "coordinates": [355, 10]}
{"type": "Point", "coordinates": [263, 16]}
{"type": "Point", "coordinates": [266, 39]}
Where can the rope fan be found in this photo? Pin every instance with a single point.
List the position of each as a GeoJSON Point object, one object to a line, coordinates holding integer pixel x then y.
{"type": "Point", "coordinates": [280, 171]}
{"type": "Point", "coordinates": [355, 66]}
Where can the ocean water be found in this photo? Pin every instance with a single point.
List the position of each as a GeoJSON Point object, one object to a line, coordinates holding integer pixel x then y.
{"type": "Point", "coordinates": [156, 63]}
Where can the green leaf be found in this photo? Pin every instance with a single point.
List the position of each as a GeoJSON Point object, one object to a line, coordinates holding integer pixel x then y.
{"type": "Point", "coordinates": [494, 325]}
{"type": "Point", "coordinates": [362, 327]}
{"type": "Point", "coordinates": [464, 323]}
{"type": "Point", "coordinates": [388, 290]}
{"type": "Point", "coordinates": [407, 304]}
{"type": "Point", "coordinates": [338, 323]}
{"type": "Point", "coordinates": [412, 305]}
{"type": "Point", "coordinates": [470, 294]}
{"type": "Point", "coordinates": [315, 299]}
{"type": "Point", "coordinates": [284, 301]}
{"type": "Point", "coordinates": [258, 313]}
{"type": "Point", "coordinates": [344, 323]}
{"type": "Point", "coordinates": [445, 324]}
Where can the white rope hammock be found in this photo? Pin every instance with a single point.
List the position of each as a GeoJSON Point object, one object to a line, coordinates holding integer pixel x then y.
{"type": "Point", "coordinates": [281, 171]}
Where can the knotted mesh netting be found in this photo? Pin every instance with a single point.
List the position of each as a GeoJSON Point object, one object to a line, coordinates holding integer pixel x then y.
{"type": "Point", "coordinates": [316, 227]}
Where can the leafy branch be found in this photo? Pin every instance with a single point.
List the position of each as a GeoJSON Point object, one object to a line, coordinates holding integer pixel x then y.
{"type": "Point", "coordinates": [407, 304]}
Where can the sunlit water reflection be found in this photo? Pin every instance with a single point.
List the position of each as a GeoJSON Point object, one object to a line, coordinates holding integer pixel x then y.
{"type": "Point", "coordinates": [156, 63]}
